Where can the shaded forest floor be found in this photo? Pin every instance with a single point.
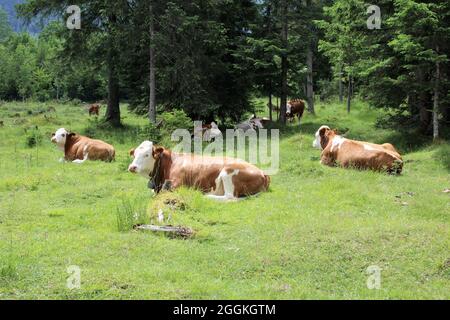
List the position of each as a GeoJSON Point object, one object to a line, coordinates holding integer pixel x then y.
{"type": "Point", "coordinates": [313, 236]}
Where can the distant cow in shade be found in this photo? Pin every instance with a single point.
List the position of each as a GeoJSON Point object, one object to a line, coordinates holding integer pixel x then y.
{"type": "Point", "coordinates": [295, 108]}
{"type": "Point", "coordinates": [94, 109]}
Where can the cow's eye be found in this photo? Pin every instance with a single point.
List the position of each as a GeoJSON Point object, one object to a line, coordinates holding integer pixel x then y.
{"type": "Point", "coordinates": [63, 135]}
{"type": "Point", "coordinates": [147, 155]}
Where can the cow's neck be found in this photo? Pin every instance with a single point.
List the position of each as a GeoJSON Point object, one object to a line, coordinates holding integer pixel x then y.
{"type": "Point", "coordinates": [328, 139]}
{"type": "Point", "coordinates": [70, 141]}
{"type": "Point", "coordinates": [161, 170]}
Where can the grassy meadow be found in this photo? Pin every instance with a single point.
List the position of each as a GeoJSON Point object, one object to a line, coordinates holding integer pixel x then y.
{"type": "Point", "coordinates": [312, 236]}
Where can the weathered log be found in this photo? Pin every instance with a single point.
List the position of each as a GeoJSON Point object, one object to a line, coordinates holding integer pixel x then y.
{"type": "Point", "coordinates": [183, 232]}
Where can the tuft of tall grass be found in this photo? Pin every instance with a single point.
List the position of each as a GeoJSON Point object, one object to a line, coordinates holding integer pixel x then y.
{"type": "Point", "coordinates": [130, 213]}
{"type": "Point", "coordinates": [443, 155]}
{"type": "Point", "coordinates": [8, 272]}
{"type": "Point", "coordinates": [33, 137]}
{"type": "Point", "coordinates": [8, 268]}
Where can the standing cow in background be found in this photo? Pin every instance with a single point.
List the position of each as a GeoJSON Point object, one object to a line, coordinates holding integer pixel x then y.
{"type": "Point", "coordinates": [78, 148]}
{"type": "Point", "coordinates": [295, 108]}
{"type": "Point", "coordinates": [94, 109]}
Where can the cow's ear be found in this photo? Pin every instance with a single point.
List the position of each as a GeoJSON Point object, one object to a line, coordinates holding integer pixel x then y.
{"type": "Point", "coordinates": [71, 134]}
{"type": "Point", "coordinates": [323, 132]}
{"type": "Point", "coordinates": [131, 152]}
{"type": "Point", "coordinates": [157, 151]}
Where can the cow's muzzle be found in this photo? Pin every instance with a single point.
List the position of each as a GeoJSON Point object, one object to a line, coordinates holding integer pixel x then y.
{"type": "Point", "coordinates": [132, 169]}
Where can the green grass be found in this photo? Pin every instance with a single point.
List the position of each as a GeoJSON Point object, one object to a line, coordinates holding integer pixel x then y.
{"type": "Point", "coordinates": [311, 237]}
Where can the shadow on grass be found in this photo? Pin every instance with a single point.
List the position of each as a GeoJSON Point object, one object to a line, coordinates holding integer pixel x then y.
{"type": "Point", "coordinates": [443, 155]}
{"type": "Point", "coordinates": [310, 128]}
{"type": "Point", "coordinates": [407, 141]}
{"type": "Point", "coordinates": [126, 133]}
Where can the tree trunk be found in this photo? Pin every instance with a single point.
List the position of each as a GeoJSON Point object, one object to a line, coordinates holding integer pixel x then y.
{"type": "Point", "coordinates": [152, 82]}
{"type": "Point", "coordinates": [278, 109]}
{"type": "Point", "coordinates": [422, 100]}
{"type": "Point", "coordinates": [309, 79]}
{"type": "Point", "coordinates": [269, 14]}
{"type": "Point", "coordinates": [341, 87]}
{"type": "Point", "coordinates": [57, 89]}
{"type": "Point", "coordinates": [349, 95]}
{"type": "Point", "coordinates": [436, 102]}
{"type": "Point", "coordinates": [113, 109]}
{"type": "Point", "coordinates": [270, 106]}
{"type": "Point", "coordinates": [284, 62]}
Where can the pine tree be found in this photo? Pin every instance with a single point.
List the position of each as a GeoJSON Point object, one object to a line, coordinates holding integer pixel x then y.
{"type": "Point", "coordinates": [102, 23]}
{"type": "Point", "coordinates": [5, 27]}
{"type": "Point", "coordinates": [344, 43]}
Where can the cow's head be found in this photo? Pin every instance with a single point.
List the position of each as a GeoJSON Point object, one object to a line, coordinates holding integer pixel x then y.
{"type": "Point", "coordinates": [144, 158]}
{"type": "Point", "coordinates": [288, 109]}
{"type": "Point", "coordinates": [60, 137]}
{"type": "Point", "coordinates": [321, 140]}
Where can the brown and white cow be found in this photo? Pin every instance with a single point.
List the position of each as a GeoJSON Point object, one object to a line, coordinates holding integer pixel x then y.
{"type": "Point", "coordinates": [295, 108]}
{"type": "Point", "coordinates": [78, 148]}
{"type": "Point", "coordinates": [222, 178]}
{"type": "Point", "coordinates": [337, 150]}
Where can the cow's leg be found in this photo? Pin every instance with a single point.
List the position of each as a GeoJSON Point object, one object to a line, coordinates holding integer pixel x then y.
{"type": "Point", "coordinates": [219, 190]}
{"type": "Point", "coordinates": [224, 183]}
{"type": "Point", "coordinates": [85, 156]}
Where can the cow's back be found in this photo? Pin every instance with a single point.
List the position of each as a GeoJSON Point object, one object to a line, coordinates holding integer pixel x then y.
{"type": "Point", "coordinates": [100, 150]}
{"type": "Point", "coordinates": [80, 146]}
{"type": "Point", "coordinates": [196, 171]}
{"type": "Point", "coordinates": [202, 173]}
{"type": "Point", "coordinates": [365, 156]}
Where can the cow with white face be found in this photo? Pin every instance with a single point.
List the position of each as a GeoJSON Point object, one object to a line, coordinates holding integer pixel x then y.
{"type": "Point", "coordinates": [295, 108]}
{"type": "Point", "coordinates": [221, 177]}
{"type": "Point", "coordinates": [143, 159]}
{"type": "Point", "coordinates": [78, 148]}
{"type": "Point", "coordinates": [337, 150]}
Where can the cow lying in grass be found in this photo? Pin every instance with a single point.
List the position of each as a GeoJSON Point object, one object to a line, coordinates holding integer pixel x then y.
{"type": "Point", "coordinates": [78, 148]}
{"type": "Point", "coordinates": [222, 178]}
{"type": "Point", "coordinates": [357, 154]}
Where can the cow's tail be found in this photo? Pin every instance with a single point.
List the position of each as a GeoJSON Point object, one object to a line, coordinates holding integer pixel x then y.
{"type": "Point", "coordinates": [266, 182]}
